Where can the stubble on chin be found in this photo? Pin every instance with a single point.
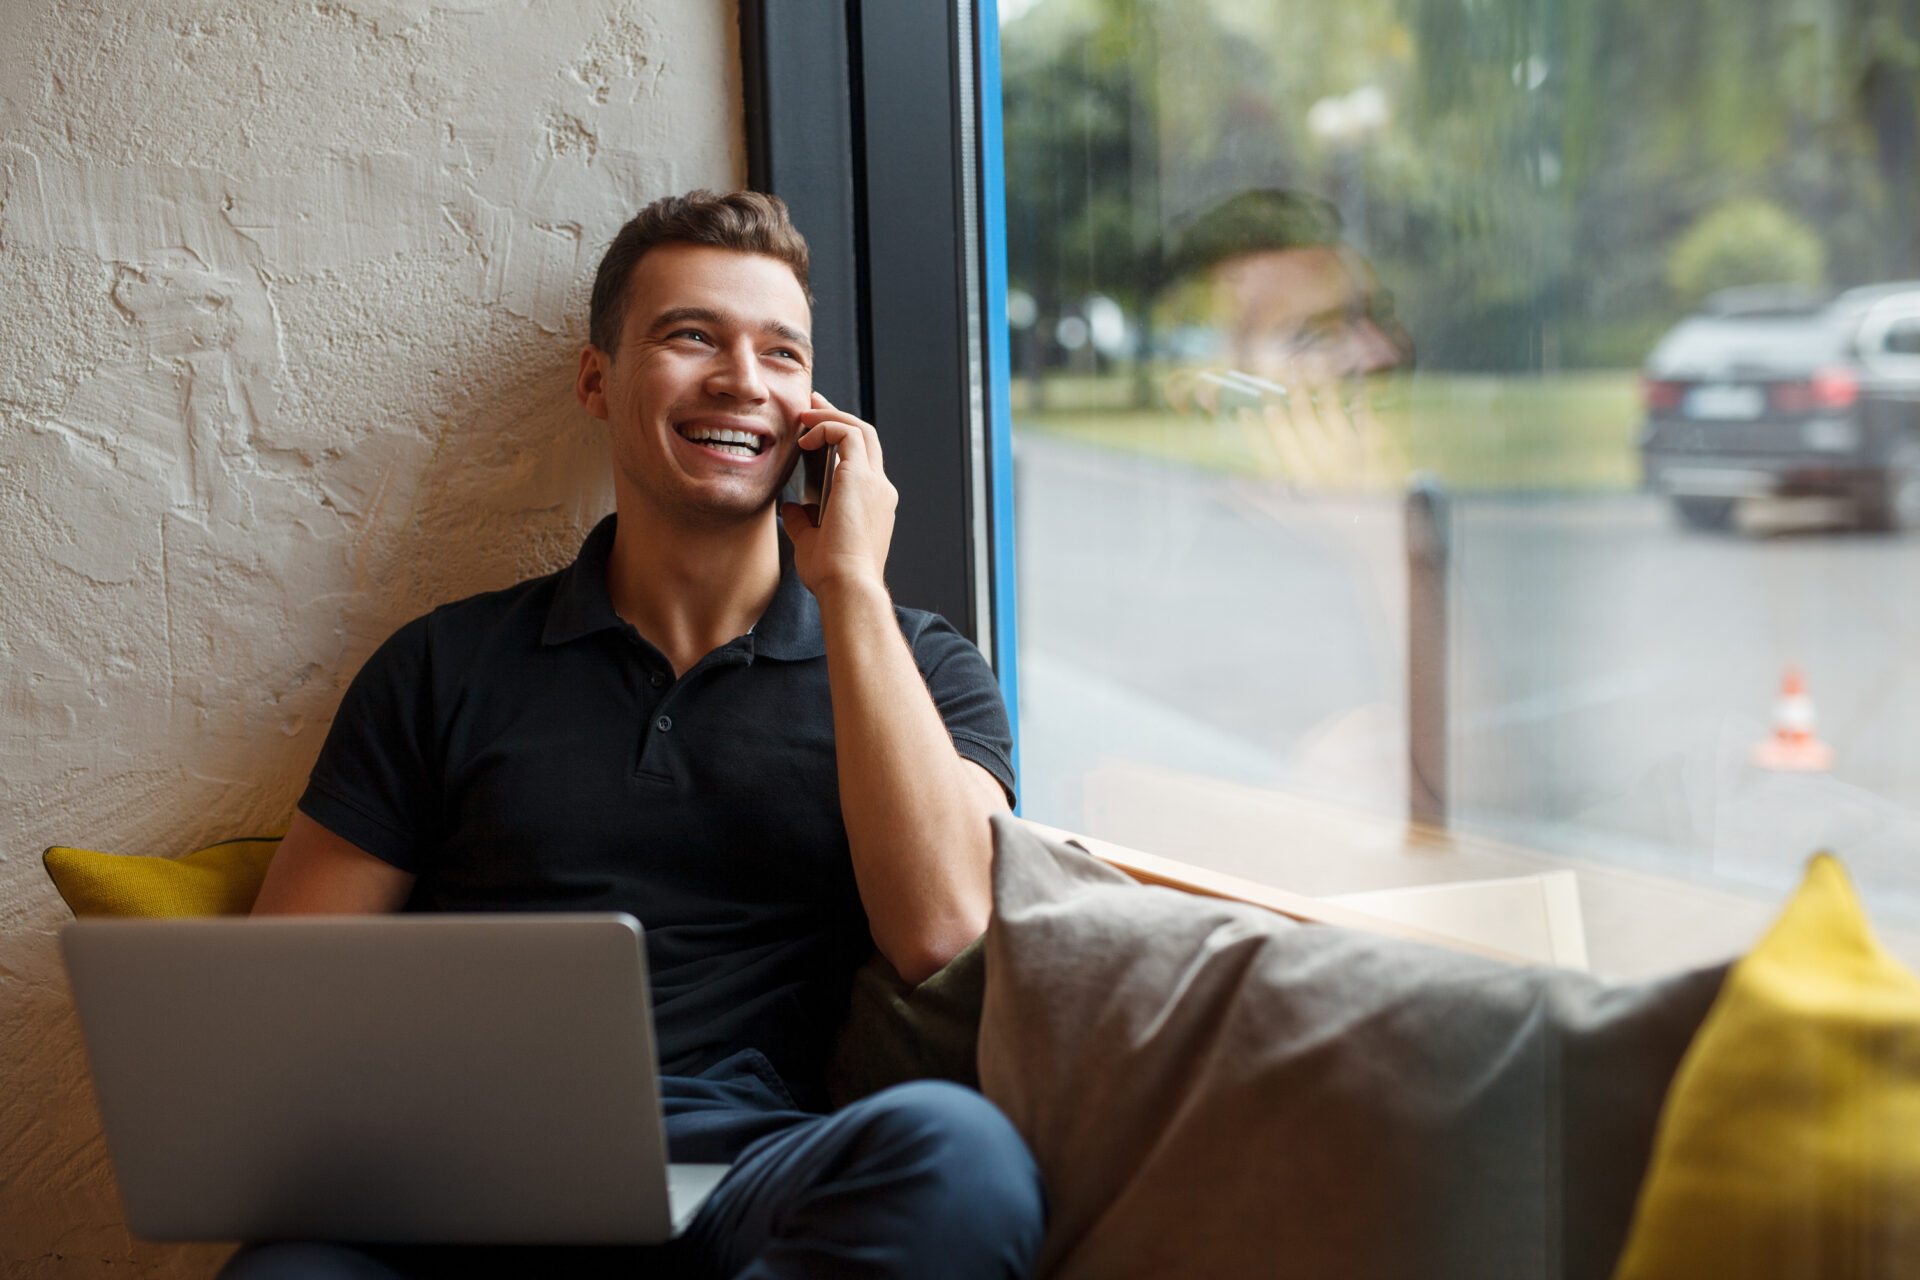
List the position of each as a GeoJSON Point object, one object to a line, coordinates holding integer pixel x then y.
{"type": "Point", "coordinates": [693, 507]}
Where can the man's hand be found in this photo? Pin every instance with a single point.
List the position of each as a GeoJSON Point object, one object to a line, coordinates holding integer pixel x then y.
{"type": "Point", "coordinates": [856, 528]}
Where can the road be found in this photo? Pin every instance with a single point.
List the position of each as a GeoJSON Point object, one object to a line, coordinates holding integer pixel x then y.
{"type": "Point", "coordinates": [1610, 672]}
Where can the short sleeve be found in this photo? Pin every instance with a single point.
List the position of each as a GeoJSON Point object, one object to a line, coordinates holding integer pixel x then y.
{"type": "Point", "coordinates": [968, 696]}
{"type": "Point", "coordinates": [377, 783]}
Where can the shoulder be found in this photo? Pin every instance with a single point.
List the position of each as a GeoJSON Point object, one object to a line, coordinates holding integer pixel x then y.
{"type": "Point", "coordinates": [461, 632]}
{"type": "Point", "coordinates": [950, 663]}
{"type": "Point", "coordinates": [931, 636]}
{"type": "Point", "coordinates": [523, 604]}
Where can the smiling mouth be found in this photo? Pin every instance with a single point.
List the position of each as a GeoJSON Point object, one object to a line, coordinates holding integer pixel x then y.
{"type": "Point", "coordinates": [742, 444]}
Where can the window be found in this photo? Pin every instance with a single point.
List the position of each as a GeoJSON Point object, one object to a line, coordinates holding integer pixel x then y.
{"type": "Point", "coordinates": [1903, 337]}
{"type": "Point", "coordinates": [1602, 287]}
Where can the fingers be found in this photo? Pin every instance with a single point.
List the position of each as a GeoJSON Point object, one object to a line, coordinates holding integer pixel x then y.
{"type": "Point", "coordinates": [825, 423]}
{"type": "Point", "coordinates": [855, 444]}
{"type": "Point", "coordinates": [794, 517]}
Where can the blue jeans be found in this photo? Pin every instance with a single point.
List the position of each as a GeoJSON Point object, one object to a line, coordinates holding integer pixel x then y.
{"type": "Point", "coordinates": [925, 1180]}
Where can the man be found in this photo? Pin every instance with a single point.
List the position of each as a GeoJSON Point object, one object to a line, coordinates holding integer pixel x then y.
{"type": "Point", "coordinates": [746, 746]}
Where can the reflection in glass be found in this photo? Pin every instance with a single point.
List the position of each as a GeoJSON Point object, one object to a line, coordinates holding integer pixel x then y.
{"type": "Point", "coordinates": [1667, 371]}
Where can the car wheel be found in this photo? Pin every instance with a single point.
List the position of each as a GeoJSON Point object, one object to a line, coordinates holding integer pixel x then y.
{"type": "Point", "coordinates": [1895, 505]}
{"type": "Point", "coordinates": [1704, 513]}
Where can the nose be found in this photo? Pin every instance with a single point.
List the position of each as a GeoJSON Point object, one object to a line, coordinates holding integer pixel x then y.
{"type": "Point", "coordinates": [736, 374]}
{"type": "Point", "coordinates": [1375, 349]}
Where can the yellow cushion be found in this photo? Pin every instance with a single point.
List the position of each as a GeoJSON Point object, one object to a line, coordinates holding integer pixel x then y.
{"type": "Point", "coordinates": [219, 881]}
{"type": "Point", "coordinates": [1789, 1145]}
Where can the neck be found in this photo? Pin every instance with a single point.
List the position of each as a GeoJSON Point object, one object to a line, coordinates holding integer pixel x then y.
{"type": "Point", "coordinates": [689, 592]}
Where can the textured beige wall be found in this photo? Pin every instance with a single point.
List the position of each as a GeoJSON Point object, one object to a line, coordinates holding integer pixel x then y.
{"type": "Point", "coordinates": [290, 297]}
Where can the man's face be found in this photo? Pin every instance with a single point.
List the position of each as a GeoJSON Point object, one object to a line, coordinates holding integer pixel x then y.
{"type": "Point", "coordinates": [1304, 316]}
{"type": "Point", "coordinates": [702, 397]}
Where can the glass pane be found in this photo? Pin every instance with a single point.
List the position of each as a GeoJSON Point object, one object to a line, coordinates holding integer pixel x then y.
{"type": "Point", "coordinates": [1642, 320]}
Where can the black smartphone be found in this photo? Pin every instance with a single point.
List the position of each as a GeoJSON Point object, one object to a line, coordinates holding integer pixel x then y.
{"type": "Point", "coordinates": [816, 479]}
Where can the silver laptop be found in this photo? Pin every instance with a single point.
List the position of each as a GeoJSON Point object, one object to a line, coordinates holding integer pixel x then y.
{"type": "Point", "coordinates": [412, 1078]}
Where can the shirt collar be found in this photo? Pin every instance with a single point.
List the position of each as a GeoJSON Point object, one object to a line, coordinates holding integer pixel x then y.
{"type": "Point", "coordinates": [789, 630]}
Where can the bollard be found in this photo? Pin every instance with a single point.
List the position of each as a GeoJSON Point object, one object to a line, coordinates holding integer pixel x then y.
{"type": "Point", "coordinates": [1428, 539]}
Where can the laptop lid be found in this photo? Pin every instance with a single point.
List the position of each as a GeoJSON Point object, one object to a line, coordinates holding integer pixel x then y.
{"type": "Point", "coordinates": [403, 1078]}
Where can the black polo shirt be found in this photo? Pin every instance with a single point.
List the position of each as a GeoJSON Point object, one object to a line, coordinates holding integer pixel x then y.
{"type": "Point", "coordinates": [527, 750]}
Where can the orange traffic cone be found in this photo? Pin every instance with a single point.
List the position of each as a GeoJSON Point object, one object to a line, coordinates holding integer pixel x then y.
{"type": "Point", "coordinates": [1793, 744]}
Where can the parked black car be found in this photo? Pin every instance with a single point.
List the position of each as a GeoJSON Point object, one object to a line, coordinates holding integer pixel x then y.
{"type": "Point", "coordinates": [1773, 391]}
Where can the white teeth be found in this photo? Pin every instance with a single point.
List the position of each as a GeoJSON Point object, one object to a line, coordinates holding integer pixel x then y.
{"type": "Point", "coordinates": [726, 439]}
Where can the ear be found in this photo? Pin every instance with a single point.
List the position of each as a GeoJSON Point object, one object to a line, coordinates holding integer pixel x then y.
{"type": "Point", "coordinates": [590, 386]}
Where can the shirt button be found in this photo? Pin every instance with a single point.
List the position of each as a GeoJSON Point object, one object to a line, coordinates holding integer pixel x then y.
{"type": "Point", "coordinates": [657, 679]}
{"type": "Point", "coordinates": [664, 723]}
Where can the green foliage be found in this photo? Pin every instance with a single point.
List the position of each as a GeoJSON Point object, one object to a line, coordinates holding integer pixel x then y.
{"type": "Point", "coordinates": [1745, 241]}
{"type": "Point", "coordinates": [1553, 176]}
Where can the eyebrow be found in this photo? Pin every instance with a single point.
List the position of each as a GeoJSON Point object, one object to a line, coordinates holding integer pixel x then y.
{"type": "Point", "coordinates": [708, 316]}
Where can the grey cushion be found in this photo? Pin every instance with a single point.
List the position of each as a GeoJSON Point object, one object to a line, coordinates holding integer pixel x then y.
{"type": "Point", "coordinates": [895, 1032]}
{"type": "Point", "coordinates": [1213, 1090]}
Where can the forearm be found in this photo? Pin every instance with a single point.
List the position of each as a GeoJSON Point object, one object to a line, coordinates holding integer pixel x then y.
{"type": "Point", "coordinates": [915, 811]}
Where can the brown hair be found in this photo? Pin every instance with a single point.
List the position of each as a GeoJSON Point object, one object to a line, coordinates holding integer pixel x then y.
{"type": "Point", "coordinates": [745, 221]}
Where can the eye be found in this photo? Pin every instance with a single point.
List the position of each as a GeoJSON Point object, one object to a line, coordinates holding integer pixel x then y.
{"type": "Point", "coordinates": [694, 334]}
